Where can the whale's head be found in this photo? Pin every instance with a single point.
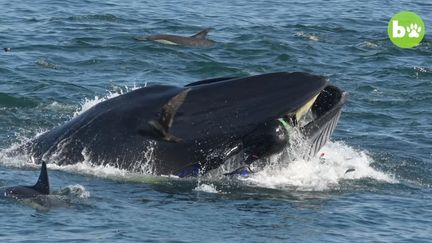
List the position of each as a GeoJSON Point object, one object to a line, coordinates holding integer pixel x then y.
{"type": "Point", "coordinates": [247, 117]}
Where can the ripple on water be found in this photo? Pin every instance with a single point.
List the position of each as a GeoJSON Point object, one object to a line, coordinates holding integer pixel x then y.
{"type": "Point", "coordinates": [43, 62]}
{"type": "Point", "coordinates": [9, 101]}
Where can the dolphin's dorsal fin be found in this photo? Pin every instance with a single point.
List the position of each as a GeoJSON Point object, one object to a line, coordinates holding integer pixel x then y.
{"type": "Point", "coordinates": [42, 185]}
{"type": "Point", "coordinates": [166, 118]}
{"type": "Point", "coordinates": [202, 34]}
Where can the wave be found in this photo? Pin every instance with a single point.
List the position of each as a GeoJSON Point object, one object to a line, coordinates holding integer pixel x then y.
{"type": "Point", "coordinates": [94, 18]}
{"type": "Point", "coordinates": [42, 62]}
{"type": "Point", "coordinates": [337, 162]}
{"type": "Point", "coordinates": [7, 100]}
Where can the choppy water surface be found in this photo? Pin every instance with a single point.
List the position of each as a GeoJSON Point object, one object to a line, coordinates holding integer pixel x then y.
{"type": "Point", "coordinates": [67, 56]}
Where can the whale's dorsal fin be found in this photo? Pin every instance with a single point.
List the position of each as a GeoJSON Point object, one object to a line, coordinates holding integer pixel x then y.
{"type": "Point", "coordinates": [166, 119]}
{"type": "Point", "coordinates": [202, 34]}
{"type": "Point", "coordinates": [42, 185]}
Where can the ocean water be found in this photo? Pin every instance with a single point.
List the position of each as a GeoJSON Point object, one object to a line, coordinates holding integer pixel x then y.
{"type": "Point", "coordinates": [68, 55]}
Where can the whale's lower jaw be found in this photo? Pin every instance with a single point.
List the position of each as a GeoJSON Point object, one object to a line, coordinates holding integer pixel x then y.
{"type": "Point", "coordinates": [327, 110]}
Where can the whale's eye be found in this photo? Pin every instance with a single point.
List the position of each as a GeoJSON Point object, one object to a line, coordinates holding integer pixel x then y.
{"type": "Point", "coordinates": [281, 134]}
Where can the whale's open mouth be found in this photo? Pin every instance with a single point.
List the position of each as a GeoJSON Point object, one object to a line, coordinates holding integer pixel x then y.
{"type": "Point", "coordinates": [320, 121]}
{"type": "Point", "coordinates": [315, 120]}
{"type": "Point", "coordinates": [308, 126]}
{"type": "Point", "coordinates": [318, 117]}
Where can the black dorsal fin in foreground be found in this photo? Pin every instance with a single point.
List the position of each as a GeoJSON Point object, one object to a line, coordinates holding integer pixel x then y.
{"type": "Point", "coordinates": [202, 34]}
{"type": "Point", "coordinates": [166, 119]}
{"type": "Point", "coordinates": [42, 185]}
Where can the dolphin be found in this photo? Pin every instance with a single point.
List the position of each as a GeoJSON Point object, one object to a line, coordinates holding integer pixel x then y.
{"type": "Point", "coordinates": [192, 129]}
{"type": "Point", "coordinates": [199, 39]}
{"type": "Point", "coordinates": [39, 195]}
{"type": "Point", "coordinates": [41, 187]}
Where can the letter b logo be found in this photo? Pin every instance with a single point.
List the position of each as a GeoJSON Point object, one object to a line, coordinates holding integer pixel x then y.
{"type": "Point", "coordinates": [406, 29]}
{"type": "Point", "coordinates": [398, 31]}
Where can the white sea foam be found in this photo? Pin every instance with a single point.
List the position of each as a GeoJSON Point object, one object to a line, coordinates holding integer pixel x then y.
{"type": "Point", "coordinates": [308, 36]}
{"type": "Point", "coordinates": [59, 107]}
{"type": "Point", "coordinates": [87, 168]}
{"type": "Point", "coordinates": [370, 45]}
{"type": "Point", "coordinates": [90, 102]}
{"type": "Point", "coordinates": [209, 188]}
{"type": "Point", "coordinates": [322, 172]}
{"type": "Point", "coordinates": [318, 174]}
{"type": "Point", "coordinates": [76, 191]}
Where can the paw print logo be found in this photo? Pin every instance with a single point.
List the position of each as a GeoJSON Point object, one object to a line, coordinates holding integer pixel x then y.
{"type": "Point", "coordinates": [406, 29]}
{"type": "Point", "coordinates": [413, 31]}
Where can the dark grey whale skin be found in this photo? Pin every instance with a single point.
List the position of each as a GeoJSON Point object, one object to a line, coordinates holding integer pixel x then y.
{"type": "Point", "coordinates": [215, 116]}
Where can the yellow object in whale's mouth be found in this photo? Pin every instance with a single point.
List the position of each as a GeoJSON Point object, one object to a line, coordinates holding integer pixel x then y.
{"type": "Point", "coordinates": [296, 118]}
{"type": "Point", "coordinates": [299, 114]}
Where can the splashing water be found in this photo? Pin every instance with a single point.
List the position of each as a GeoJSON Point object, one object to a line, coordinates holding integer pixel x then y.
{"type": "Point", "coordinates": [209, 188]}
{"type": "Point", "coordinates": [307, 36]}
{"type": "Point", "coordinates": [89, 103]}
{"type": "Point", "coordinates": [320, 173]}
{"type": "Point", "coordinates": [76, 191]}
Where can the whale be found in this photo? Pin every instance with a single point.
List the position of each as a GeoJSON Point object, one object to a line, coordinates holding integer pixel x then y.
{"type": "Point", "coordinates": [41, 188]}
{"type": "Point", "coordinates": [190, 130]}
{"type": "Point", "coordinates": [198, 40]}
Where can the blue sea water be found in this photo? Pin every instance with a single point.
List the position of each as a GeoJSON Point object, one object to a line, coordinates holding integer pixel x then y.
{"type": "Point", "coordinates": [68, 55]}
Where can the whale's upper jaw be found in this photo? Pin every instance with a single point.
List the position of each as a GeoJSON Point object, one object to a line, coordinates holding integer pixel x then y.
{"type": "Point", "coordinates": [234, 107]}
